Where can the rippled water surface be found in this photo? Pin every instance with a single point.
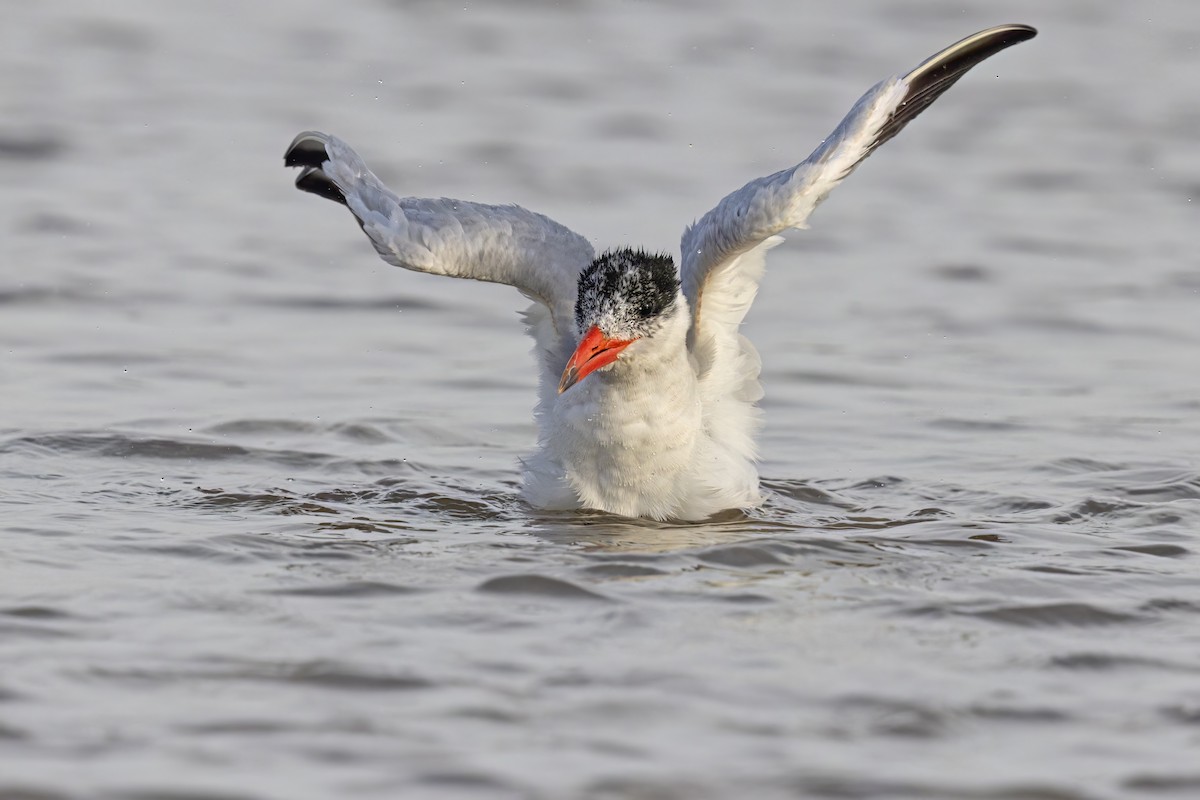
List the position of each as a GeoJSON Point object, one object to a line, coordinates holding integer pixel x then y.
{"type": "Point", "coordinates": [261, 537]}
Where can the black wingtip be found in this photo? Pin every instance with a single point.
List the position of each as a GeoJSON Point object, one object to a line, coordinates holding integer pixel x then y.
{"type": "Point", "coordinates": [314, 181]}
{"type": "Point", "coordinates": [306, 150]}
{"type": "Point", "coordinates": [939, 72]}
{"type": "Point", "coordinates": [1020, 33]}
{"type": "Point", "coordinates": [966, 53]}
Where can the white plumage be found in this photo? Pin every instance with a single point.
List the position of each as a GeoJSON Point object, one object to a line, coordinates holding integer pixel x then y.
{"type": "Point", "coordinates": [656, 411]}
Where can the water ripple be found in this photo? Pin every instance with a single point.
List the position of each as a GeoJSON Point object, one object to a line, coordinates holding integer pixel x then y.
{"type": "Point", "coordinates": [838, 788]}
{"type": "Point", "coordinates": [137, 446]}
{"type": "Point", "coordinates": [1113, 661]}
{"type": "Point", "coordinates": [324, 673]}
{"type": "Point", "coordinates": [539, 586]}
{"type": "Point", "coordinates": [1036, 615]}
{"type": "Point", "coordinates": [355, 589]}
{"type": "Point", "coordinates": [30, 145]}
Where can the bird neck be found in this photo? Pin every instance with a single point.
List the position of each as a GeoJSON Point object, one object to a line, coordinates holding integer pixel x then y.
{"type": "Point", "coordinates": [661, 356]}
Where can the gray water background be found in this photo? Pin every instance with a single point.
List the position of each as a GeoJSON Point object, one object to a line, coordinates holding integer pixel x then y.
{"type": "Point", "coordinates": [260, 535]}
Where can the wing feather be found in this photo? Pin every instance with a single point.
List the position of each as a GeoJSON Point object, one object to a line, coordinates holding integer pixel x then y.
{"type": "Point", "coordinates": [723, 253]}
{"type": "Point", "coordinates": [501, 244]}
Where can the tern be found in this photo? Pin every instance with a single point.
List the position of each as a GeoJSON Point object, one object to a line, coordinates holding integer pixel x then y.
{"type": "Point", "coordinates": [648, 393]}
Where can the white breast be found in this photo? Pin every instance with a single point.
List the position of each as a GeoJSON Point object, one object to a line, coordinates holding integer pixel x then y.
{"type": "Point", "coordinates": [632, 440]}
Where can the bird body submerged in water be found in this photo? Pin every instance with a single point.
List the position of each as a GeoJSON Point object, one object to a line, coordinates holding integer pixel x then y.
{"type": "Point", "coordinates": [647, 399]}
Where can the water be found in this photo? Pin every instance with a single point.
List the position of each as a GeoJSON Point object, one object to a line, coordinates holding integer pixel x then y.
{"type": "Point", "coordinates": [261, 536]}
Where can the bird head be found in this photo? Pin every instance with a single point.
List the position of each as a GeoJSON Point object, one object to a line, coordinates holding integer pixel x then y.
{"type": "Point", "coordinates": [624, 295]}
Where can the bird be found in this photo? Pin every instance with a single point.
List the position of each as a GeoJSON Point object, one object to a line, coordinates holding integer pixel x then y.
{"type": "Point", "coordinates": [648, 394]}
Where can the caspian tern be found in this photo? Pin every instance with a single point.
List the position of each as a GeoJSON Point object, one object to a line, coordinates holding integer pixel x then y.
{"type": "Point", "coordinates": [648, 393]}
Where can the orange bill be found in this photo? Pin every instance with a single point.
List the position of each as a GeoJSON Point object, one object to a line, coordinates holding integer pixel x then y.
{"type": "Point", "coordinates": [594, 351]}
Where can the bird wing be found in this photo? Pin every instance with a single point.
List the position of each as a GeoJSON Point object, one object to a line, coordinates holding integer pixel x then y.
{"type": "Point", "coordinates": [500, 244]}
{"type": "Point", "coordinates": [724, 252]}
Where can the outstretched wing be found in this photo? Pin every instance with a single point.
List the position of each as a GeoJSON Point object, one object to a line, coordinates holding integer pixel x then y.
{"type": "Point", "coordinates": [724, 253]}
{"type": "Point", "coordinates": [501, 244]}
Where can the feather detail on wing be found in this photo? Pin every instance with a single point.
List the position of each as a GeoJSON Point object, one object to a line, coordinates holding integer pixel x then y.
{"type": "Point", "coordinates": [723, 253]}
{"type": "Point", "coordinates": [500, 244]}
